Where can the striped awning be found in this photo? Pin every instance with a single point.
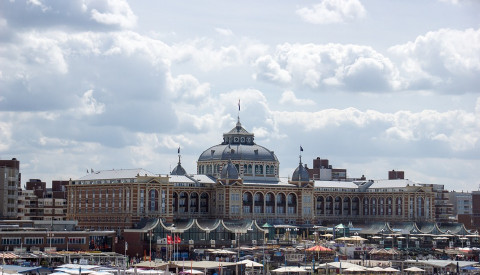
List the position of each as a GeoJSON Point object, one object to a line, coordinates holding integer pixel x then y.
{"type": "Point", "coordinates": [8, 255]}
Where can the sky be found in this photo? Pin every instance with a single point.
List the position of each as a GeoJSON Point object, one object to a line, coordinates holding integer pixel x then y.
{"type": "Point", "coordinates": [371, 85]}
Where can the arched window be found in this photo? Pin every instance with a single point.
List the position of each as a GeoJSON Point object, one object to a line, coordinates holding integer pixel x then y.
{"type": "Point", "coordinates": [292, 203]}
{"type": "Point", "coordinates": [365, 206]}
{"type": "Point", "coordinates": [269, 203]}
{"type": "Point", "coordinates": [373, 210]}
{"type": "Point", "coordinates": [398, 206]}
{"type": "Point", "coordinates": [249, 169]}
{"type": "Point", "coordinates": [281, 203]}
{"type": "Point", "coordinates": [320, 205]}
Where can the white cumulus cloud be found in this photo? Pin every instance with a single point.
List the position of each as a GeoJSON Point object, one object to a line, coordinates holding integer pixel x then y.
{"type": "Point", "coordinates": [445, 60]}
{"type": "Point", "coordinates": [329, 66]}
{"type": "Point", "coordinates": [332, 11]}
{"type": "Point", "coordinates": [288, 97]}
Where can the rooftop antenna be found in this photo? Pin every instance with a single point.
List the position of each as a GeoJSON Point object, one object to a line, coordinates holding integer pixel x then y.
{"type": "Point", "coordinates": [178, 154]}
{"type": "Point", "coordinates": [238, 115]}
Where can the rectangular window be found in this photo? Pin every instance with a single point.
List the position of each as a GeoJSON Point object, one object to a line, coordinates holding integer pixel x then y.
{"type": "Point", "coordinates": [164, 210]}
{"type": "Point", "coordinates": [235, 209]}
{"type": "Point", "coordinates": [127, 200]}
{"type": "Point", "coordinates": [142, 202]}
{"type": "Point", "coordinates": [11, 241]}
{"type": "Point", "coordinates": [34, 240]}
{"type": "Point", "coordinates": [76, 240]}
{"type": "Point", "coordinates": [269, 209]}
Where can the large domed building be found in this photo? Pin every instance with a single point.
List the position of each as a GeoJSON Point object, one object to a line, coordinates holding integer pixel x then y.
{"type": "Point", "coordinates": [238, 179]}
{"type": "Point", "coordinates": [252, 161]}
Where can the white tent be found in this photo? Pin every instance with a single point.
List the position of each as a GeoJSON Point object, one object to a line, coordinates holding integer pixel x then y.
{"type": "Point", "coordinates": [250, 264]}
{"type": "Point", "coordinates": [287, 269]}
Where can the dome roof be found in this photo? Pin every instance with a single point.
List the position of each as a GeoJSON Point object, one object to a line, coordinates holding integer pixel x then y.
{"type": "Point", "coordinates": [229, 171]}
{"type": "Point", "coordinates": [178, 170]}
{"type": "Point", "coordinates": [238, 152]}
{"type": "Point", "coordinates": [300, 174]}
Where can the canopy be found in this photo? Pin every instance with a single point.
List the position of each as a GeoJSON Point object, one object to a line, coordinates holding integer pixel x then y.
{"type": "Point", "coordinates": [391, 269]}
{"type": "Point", "coordinates": [288, 269]}
{"type": "Point", "coordinates": [376, 269]}
{"type": "Point", "coordinates": [223, 251]}
{"type": "Point", "coordinates": [249, 263]}
{"type": "Point", "coordinates": [74, 270]}
{"type": "Point", "coordinates": [355, 269]}
{"type": "Point", "coordinates": [414, 269]}
{"type": "Point", "coordinates": [191, 271]}
{"type": "Point", "coordinates": [150, 272]}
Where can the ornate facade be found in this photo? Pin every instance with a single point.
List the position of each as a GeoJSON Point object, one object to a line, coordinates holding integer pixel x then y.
{"type": "Point", "coordinates": [238, 179]}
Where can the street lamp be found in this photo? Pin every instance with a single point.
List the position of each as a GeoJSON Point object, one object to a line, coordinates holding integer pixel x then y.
{"type": "Point", "coordinates": [50, 237]}
{"type": "Point", "coordinates": [150, 238]}
{"type": "Point", "coordinates": [264, 244]}
{"type": "Point", "coordinates": [238, 252]}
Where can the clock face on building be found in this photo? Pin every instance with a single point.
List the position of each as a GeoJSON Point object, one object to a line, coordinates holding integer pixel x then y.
{"type": "Point", "coordinates": [248, 139]}
{"type": "Point", "coordinates": [236, 139]}
{"type": "Point", "coordinates": [242, 139]}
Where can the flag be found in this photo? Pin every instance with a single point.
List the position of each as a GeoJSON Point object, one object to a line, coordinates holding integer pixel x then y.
{"type": "Point", "coordinates": [239, 105]}
{"type": "Point", "coordinates": [169, 239]}
{"type": "Point", "coordinates": [301, 148]}
{"type": "Point", "coordinates": [177, 239]}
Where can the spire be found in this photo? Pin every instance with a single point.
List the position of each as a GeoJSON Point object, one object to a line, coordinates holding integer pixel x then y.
{"type": "Point", "coordinates": [178, 170]}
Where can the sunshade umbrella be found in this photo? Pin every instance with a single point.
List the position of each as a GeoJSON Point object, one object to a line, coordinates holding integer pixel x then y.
{"type": "Point", "coordinates": [376, 269]}
{"type": "Point", "coordinates": [357, 238]}
{"type": "Point", "coordinates": [318, 248]}
{"type": "Point", "coordinates": [343, 239]}
{"type": "Point", "coordinates": [391, 269]}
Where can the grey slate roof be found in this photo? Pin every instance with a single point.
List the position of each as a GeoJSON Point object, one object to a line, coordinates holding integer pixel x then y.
{"type": "Point", "coordinates": [300, 173]}
{"type": "Point", "coordinates": [238, 152]}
